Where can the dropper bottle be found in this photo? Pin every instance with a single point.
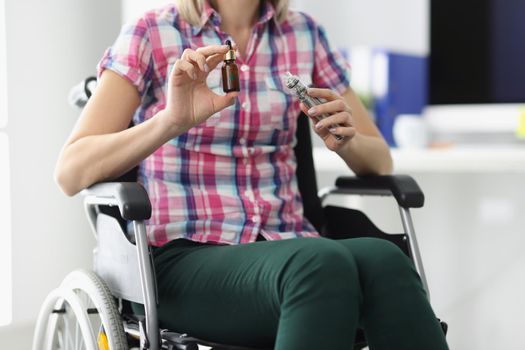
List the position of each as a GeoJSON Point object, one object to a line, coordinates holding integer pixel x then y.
{"type": "Point", "coordinates": [230, 71]}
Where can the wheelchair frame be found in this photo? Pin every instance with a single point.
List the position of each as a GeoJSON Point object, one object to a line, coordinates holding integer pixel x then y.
{"type": "Point", "coordinates": [133, 204]}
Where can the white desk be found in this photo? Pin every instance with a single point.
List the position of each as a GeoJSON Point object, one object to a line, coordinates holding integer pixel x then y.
{"type": "Point", "coordinates": [452, 160]}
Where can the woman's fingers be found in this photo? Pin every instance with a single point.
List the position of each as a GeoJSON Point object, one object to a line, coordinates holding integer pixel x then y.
{"type": "Point", "coordinates": [222, 101]}
{"type": "Point", "coordinates": [212, 50]}
{"type": "Point", "coordinates": [195, 58]}
{"type": "Point", "coordinates": [182, 67]}
{"type": "Point", "coordinates": [329, 108]}
{"type": "Point", "coordinates": [327, 94]}
{"type": "Point", "coordinates": [204, 59]}
{"type": "Point", "coordinates": [200, 56]}
{"type": "Point", "coordinates": [333, 117]}
{"type": "Point", "coordinates": [339, 124]}
{"type": "Point", "coordinates": [342, 119]}
{"type": "Point", "coordinates": [214, 60]}
{"type": "Point", "coordinates": [305, 110]}
{"type": "Point", "coordinates": [200, 62]}
{"type": "Point", "coordinates": [345, 131]}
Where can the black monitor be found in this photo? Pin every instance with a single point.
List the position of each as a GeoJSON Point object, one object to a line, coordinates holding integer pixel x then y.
{"type": "Point", "coordinates": [477, 51]}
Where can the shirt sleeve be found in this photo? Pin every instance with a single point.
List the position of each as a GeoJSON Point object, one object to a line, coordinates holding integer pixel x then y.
{"type": "Point", "coordinates": [331, 70]}
{"type": "Point", "coordinates": [131, 55]}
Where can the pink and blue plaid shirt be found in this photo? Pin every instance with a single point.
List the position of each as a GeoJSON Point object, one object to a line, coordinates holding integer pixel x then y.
{"type": "Point", "coordinates": [232, 177]}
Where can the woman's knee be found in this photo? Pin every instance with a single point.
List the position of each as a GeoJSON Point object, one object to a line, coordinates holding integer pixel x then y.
{"type": "Point", "coordinates": [324, 254]}
{"type": "Point", "coordinates": [379, 257]}
{"type": "Point", "coordinates": [321, 263]}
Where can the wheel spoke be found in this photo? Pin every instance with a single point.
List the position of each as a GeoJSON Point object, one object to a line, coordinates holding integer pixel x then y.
{"type": "Point", "coordinates": [67, 332]}
{"type": "Point", "coordinates": [93, 317]}
{"type": "Point", "coordinates": [80, 324]}
{"type": "Point", "coordinates": [77, 337]}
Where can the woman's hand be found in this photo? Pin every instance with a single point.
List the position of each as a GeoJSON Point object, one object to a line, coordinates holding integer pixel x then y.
{"type": "Point", "coordinates": [339, 122]}
{"type": "Point", "coordinates": [189, 100]}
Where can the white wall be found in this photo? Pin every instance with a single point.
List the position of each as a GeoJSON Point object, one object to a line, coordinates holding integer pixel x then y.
{"type": "Point", "coordinates": [51, 46]}
{"type": "Point", "coordinates": [134, 8]}
{"type": "Point", "coordinates": [5, 212]}
{"type": "Point", "coordinates": [3, 58]}
{"type": "Point", "coordinates": [400, 25]}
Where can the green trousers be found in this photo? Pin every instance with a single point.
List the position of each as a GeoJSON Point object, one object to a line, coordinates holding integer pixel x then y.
{"type": "Point", "coordinates": [307, 293]}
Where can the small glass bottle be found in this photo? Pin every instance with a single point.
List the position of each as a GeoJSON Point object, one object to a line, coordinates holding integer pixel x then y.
{"type": "Point", "coordinates": [230, 72]}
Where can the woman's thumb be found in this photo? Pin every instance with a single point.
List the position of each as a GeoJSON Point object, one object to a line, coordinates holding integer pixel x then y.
{"type": "Point", "coordinates": [221, 102]}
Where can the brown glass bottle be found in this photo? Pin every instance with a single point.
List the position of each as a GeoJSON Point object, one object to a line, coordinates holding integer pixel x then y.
{"type": "Point", "coordinates": [230, 72]}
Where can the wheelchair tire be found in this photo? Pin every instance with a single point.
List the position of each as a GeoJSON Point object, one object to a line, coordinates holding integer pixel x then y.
{"type": "Point", "coordinates": [80, 314]}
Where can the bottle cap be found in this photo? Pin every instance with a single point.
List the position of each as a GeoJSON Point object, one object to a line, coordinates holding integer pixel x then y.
{"type": "Point", "coordinates": [230, 55]}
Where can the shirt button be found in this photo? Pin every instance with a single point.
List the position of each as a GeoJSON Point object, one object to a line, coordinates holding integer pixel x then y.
{"type": "Point", "coordinates": [255, 219]}
{"type": "Point", "coordinates": [245, 161]}
{"type": "Point", "coordinates": [245, 68]}
{"type": "Point", "coordinates": [246, 106]}
{"type": "Point", "coordinates": [242, 141]}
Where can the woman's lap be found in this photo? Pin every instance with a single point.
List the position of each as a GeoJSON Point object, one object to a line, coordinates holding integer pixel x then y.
{"type": "Point", "coordinates": [236, 293]}
{"type": "Point", "coordinates": [249, 294]}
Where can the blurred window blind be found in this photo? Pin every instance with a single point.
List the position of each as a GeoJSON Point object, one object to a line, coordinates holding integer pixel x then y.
{"type": "Point", "coordinates": [5, 201]}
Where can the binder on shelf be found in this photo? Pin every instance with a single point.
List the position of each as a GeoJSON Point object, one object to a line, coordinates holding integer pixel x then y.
{"type": "Point", "coordinates": [400, 86]}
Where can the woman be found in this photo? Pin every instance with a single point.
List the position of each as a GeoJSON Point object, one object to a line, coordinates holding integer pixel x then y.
{"type": "Point", "coordinates": [220, 173]}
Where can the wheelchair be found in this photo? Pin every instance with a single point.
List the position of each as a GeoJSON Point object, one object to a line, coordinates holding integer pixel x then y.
{"type": "Point", "coordinates": [91, 309]}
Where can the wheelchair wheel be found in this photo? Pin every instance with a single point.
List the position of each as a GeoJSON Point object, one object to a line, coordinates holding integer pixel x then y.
{"type": "Point", "coordinates": [80, 315]}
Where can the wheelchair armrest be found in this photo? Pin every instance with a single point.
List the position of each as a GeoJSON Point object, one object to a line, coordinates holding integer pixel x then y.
{"type": "Point", "coordinates": [130, 197]}
{"type": "Point", "coordinates": [404, 188]}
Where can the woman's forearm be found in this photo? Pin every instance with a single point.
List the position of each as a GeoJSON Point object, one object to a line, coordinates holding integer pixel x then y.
{"type": "Point", "coordinates": [367, 155]}
{"type": "Point", "coordinates": [102, 148]}
{"type": "Point", "coordinates": [95, 158]}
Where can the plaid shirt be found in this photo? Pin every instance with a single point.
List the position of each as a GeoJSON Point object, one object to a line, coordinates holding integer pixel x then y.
{"type": "Point", "coordinates": [233, 176]}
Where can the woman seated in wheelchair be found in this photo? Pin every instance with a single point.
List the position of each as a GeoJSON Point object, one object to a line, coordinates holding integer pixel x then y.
{"type": "Point", "coordinates": [236, 262]}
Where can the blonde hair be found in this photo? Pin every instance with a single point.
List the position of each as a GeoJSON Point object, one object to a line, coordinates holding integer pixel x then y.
{"type": "Point", "coordinates": [191, 10]}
